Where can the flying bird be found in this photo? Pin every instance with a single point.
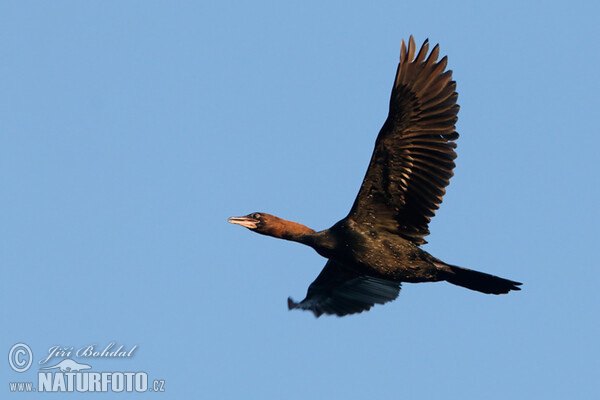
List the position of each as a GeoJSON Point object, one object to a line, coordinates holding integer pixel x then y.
{"type": "Point", "coordinates": [376, 246]}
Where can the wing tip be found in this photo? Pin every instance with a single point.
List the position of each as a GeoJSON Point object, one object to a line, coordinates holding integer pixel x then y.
{"type": "Point", "coordinates": [291, 303]}
{"type": "Point", "coordinates": [407, 52]}
{"type": "Point", "coordinates": [402, 51]}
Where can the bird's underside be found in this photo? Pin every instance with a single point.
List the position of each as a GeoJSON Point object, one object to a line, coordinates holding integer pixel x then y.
{"type": "Point", "coordinates": [376, 247]}
{"type": "Point", "coordinates": [340, 291]}
{"type": "Point", "coordinates": [358, 280]}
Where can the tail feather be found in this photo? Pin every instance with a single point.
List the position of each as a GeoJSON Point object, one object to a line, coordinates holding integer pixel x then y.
{"type": "Point", "coordinates": [479, 281]}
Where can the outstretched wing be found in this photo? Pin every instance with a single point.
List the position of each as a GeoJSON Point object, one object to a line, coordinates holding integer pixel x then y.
{"type": "Point", "coordinates": [413, 158]}
{"type": "Point", "coordinates": [341, 291]}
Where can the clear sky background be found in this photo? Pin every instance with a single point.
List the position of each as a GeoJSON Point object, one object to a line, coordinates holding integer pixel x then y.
{"type": "Point", "coordinates": [130, 131]}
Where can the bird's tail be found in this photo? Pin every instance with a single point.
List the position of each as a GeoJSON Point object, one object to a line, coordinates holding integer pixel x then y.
{"type": "Point", "coordinates": [479, 281]}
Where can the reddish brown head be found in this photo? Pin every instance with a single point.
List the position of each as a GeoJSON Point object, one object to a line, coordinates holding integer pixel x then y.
{"type": "Point", "coordinates": [270, 225]}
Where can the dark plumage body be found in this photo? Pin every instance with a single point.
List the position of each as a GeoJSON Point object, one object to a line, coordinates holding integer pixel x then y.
{"type": "Point", "coordinates": [376, 247]}
{"type": "Point", "coordinates": [374, 252]}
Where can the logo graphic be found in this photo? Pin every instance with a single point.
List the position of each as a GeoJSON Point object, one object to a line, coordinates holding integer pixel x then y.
{"type": "Point", "coordinates": [14, 357]}
{"type": "Point", "coordinates": [68, 365]}
{"type": "Point", "coordinates": [69, 375]}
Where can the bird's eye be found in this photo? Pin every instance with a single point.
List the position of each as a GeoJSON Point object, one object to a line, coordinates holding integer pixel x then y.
{"type": "Point", "coordinates": [256, 216]}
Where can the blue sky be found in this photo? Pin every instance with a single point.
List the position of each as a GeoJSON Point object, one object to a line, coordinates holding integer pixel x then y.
{"type": "Point", "coordinates": [132, 130]}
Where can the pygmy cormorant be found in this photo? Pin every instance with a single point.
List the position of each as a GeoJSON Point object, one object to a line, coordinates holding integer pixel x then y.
{"type": "Point", "coordinates": [376, 247]}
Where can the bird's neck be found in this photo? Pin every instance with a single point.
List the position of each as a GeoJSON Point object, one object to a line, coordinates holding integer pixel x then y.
{"type": "Point", "coordinates": [324, 242]}
{"type": "Point", "coordinates": [288, 230]}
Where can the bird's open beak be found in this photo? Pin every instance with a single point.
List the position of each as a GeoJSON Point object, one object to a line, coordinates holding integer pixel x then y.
{"type": "Point", "coordinates": [247, 222]}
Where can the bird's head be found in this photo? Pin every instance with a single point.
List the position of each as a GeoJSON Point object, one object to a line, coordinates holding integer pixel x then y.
{"type": "Point", "coordinates": [254, 221]}
{"type": "Point", "coordinates": [270, 225]}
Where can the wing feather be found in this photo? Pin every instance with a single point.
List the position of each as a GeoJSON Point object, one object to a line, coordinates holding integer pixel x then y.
{"type": "Point", "coordinates": [414, 153]}
{"type": "Point", "coordinates": [341, 291]}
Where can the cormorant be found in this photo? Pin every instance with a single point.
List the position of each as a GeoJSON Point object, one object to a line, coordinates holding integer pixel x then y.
{"type": "Point", "coordinates": [376, 247]}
